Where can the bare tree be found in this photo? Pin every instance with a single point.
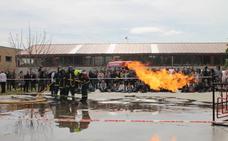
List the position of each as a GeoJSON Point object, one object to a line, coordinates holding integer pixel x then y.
{"type": "Point", "coordinates": [33, 46]}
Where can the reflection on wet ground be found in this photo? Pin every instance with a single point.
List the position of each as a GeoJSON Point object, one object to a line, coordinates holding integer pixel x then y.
{"type": "Point", "coordinates": [69, 112]}
{"type": "Point", "coordinates": [128, 118]}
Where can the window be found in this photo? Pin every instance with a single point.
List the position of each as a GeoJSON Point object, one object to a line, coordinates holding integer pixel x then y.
{"type": "Point", "coordinates": [98, 60]}
{"type": "Point", "coordinates": [108, 59]}
{"type": "Point", "coordinates": [78, 60]}
{"type": "Point", "coordinates": [87, 60]}
{"type": "Point", "coordinates": [22, 62]}
{"type": "Point", "coordinates": [68, 60]}
{"type": "Point", "coordinates": [8, 58]}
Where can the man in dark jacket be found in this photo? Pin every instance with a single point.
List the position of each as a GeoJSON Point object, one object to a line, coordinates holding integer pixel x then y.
{"type": "Point", "coordinates": [27, 81]}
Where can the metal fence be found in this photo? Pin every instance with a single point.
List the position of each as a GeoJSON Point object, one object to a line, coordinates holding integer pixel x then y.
{"type": "Point", "coordinates": [220, 103]}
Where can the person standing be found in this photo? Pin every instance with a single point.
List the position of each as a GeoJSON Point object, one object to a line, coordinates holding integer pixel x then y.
{"type": "Point", "coordinates": [56, 81]}
{"type": "Point", "coordinates": [206, 78]}
{"type": "Point", "coordinates": [3, 80]}
{"type": "Point", "coordinates": [33, 81]}
{"type": "Point", "coordinates": [8, 75]}
{"type": "Point", "coordinates": [41, 81]}
{"type": "Point", "coordinates": [27, 81]}
{"type": "Point", "coordinates": [70, 79]}
{"type": "Point", "coordinates": [13, 77]}
{"type": "Point", "coordinates": [218, 74]}
{"type": "Point", "coordinates": [62, 85]}
{"type": "Point", "coordinates": [52, 82]}
{"type": "Point", "coordinates": [21, 80]}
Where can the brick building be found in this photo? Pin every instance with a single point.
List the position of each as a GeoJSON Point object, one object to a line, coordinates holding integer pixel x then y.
{"type": "Point", "coordinates": [7, 58]}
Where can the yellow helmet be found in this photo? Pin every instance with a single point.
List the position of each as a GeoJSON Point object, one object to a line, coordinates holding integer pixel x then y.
{"type": "Point", "coordinates": [77, 72]}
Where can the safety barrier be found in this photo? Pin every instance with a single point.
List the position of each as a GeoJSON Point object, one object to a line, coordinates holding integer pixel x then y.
{"type": "Point", "coordinates": [220, 104]}
{"type": "Point", "coordinates": [114, 120]}
{"type": "Point", "coordinates": [101, 78]}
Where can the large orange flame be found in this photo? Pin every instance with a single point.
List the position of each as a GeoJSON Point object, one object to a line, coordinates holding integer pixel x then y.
{"type": "Point", "coordinates": [161, 79]}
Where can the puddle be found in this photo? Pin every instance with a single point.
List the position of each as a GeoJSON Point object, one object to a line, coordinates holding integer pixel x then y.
{"type": "Point", "coordinates": [130, 118]}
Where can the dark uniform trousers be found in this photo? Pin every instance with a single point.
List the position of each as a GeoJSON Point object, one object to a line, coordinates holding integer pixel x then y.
{"type": "Point", "coordinates": [3, 87]}
{"type": "Point", "coordinates": [84, 92]}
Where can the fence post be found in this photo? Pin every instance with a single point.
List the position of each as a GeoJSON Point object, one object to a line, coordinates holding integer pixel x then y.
{"type": "Point", "coordinates": [213, 102]}
{"type": "Point", "coordinates": [213, 97]}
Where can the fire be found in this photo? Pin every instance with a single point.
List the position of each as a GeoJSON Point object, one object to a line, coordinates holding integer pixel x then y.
{"type": "Point", "coordinates": [156, 138]}
{"type": "Point", "coordinates": [161, 79]}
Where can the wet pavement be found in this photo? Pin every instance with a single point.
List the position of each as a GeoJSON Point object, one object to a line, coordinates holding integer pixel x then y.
{"type": "Point", "coordinates": [135, 118]}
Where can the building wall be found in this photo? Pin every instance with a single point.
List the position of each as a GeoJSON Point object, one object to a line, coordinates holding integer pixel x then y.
{"type": "Point", "coordinates": [7, 59]}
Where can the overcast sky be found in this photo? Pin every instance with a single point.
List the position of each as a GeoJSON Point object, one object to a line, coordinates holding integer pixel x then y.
{"type": "Point", "coordinates": [75, 21]}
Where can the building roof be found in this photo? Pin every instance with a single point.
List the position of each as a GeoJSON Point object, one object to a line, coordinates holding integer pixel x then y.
{"type": "Point", "coordinates": [127, 48]}
{"type": "Point", "coordinates": [6, 47]}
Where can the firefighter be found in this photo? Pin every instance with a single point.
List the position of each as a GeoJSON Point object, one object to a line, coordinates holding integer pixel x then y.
{"type": "Point", "coordinates": [62, 85]}
{"type": "Point", "coordinates": [56, 82]}
{"type": "Point", "coordinates": [70, 78]}
{"type": "Point", "coordinates": [76, 80]}
{"type": "Point", "coordinates": [84, 79]}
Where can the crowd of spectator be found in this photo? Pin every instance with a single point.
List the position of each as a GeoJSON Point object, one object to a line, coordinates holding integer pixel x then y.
{"type": "Point", "coordinates": [110, 80]}
{"type": "Point", "coordinates": [124, 80]}
{"type": "Point", "coordinates": [24, 82]}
